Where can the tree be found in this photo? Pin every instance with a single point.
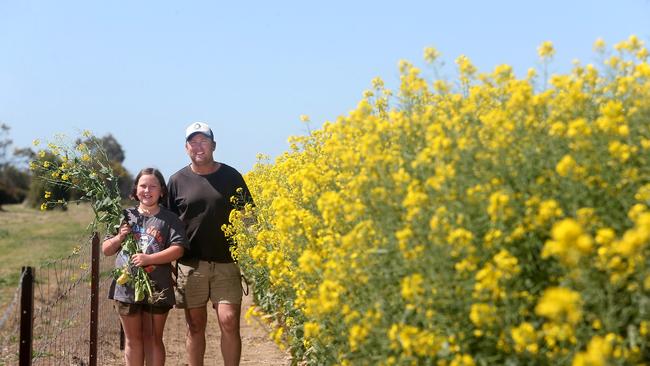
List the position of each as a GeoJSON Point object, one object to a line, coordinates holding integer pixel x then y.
{"type": "Point", "coordinates": [5, 142]}
{"type": "Point", "coordinates": [14, 183]}
{"type": "Point", "coordinates": [111, 147]}
{"type": "Point", "coordinates": [115, 155]}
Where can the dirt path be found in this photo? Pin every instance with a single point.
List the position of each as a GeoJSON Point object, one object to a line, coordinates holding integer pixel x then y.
{"type": "Point", "coordinates": [257, 348]}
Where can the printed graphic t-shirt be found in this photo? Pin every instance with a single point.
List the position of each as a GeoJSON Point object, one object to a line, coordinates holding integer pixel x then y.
{"type": "Point", "coordinates": [153, 234]}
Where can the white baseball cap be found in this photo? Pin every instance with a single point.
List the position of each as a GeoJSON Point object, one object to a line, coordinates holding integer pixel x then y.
{"type": "Point", "coordinates": [198, 127]}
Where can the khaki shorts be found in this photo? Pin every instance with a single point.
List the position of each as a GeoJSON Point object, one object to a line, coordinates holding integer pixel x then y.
{"type": "Point", "coordinates": [199, 281]}
{"type": "Point", "coordinates": [124, 308]}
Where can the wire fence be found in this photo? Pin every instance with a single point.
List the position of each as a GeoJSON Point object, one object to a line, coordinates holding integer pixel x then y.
{"type": "Point", "coordinates": [63, 311]}
{"type": "Point", "coordinates": [62, 314]}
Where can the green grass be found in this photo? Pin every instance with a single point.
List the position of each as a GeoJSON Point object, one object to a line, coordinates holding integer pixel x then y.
{"type": "Point", "coordinates": [29, 237]}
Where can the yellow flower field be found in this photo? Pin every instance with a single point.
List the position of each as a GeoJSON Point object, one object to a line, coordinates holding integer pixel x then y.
{"type": "Point", "coordinates": [490, 220]}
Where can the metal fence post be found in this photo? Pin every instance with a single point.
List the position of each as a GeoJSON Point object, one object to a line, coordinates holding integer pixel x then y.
{"type": "Point", "coordinates": [26, 316]}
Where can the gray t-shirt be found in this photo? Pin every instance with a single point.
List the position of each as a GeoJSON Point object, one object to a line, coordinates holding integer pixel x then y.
{"type": "Point", "coordinates": [153, 234]}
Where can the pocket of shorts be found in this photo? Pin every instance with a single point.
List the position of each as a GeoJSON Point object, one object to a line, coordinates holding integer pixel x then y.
{"type": "Point", "coordinates": [183, 273]}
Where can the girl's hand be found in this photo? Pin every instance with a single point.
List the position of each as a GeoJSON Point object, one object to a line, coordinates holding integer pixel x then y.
{"type": "Point", "coordinates": [141, 259]}
{"type": "Point", "coordinates": [125, 229]}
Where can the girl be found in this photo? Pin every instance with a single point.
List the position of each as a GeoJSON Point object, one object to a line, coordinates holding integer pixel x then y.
{"type": "Point", "coordinates": [161, 238]}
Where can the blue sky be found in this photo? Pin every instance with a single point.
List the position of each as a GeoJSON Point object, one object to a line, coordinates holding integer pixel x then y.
{"type": "Point", "coordinates": [144, 70]}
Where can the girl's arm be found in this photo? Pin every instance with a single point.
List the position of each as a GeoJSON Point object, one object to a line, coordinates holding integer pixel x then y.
{"type": "Point", "coordinates": [113, 245]}
{"type": "Point", "coordinates": [165, 256]}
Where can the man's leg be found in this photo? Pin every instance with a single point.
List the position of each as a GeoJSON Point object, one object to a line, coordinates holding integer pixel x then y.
{"type": "Point", "coordinates": [229, 315]}
{"type": "Point", "coordinates": [192, 293]}
{"type": "Point", "coordinates": [196, 319]}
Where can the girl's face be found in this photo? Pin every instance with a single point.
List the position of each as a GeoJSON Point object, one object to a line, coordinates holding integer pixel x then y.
{"type": "Point", "coordinates": [148, 191]}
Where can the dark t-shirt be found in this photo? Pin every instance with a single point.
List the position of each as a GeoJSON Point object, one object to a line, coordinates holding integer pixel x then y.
{"type": "Point", "coordinates": [203, 203]}
{"type": "Point", "coordinates": [153, 234]}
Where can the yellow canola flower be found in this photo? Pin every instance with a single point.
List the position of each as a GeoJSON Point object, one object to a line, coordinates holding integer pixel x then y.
{"type": "Point", "coordinates": [412, 340]}
{"type": "Point", "coordinates": [309, 261]}
{"type": "Point", "coordinates": [546, 50]}
{"type": "Point", "coordinates": [498, 208]}
{"type": "Point", "coordinates": [460, 237]}
{"type": "Point", "coordinates": [492, 237]}
{"type": "Point", "coordinates": [412, 287]}
{"type": "Point", "coordinates": [124, 278]}
{"type": "Point", "coordinates": [605, 236]}
{"type": "Point", "coordinates": [482, 314]}
{"type": "Point", "coordinates": [565, 166]}
{"type": "Point", "coordinates": [312, 329]}
{"type": "Point", "coordinates": [357, 335]}
{"type": "Point", "coordinates": [612, 117]}
{"type": "Point", "coordinates": [644, 328]}
{"type": "Point", "coordinates": [277, 336]}
{"type": "Point", "coordinates": [634, 239]}
{"type": "Point", "coordinates": [252, 312]}
{"type": "Point", "coordinates": [568, 242]}
{"type": "Point", "coordinates": [465, 265]}
{"type": "Point", "coordinates": [643, 193]}
{"type": "Point", "coordinates": [548, 209]}
{"type": "Point", "coordinates": [465, 66]}
{"type": "Point", "coordinates": [431, 54]}
{"type": "Point", "coordinates": [329, 292]}
{"type": "Point", "coordinates": [559, 304]}
{"type": "Point", "coordinates": [598, 353]}
{"type": "Point", "coordinates": [620, 151]}
{"type": "Point", "coordinates": [463, 360]}
{"type": "Point", "coordinates": [599, 45]}
{"type": "Point", "coordinates": [578, 128]}
{"type": "Point", "coordinates": [506, 263]}
{"type": "Point", "coordinates": [525, 337]}
{"type": "Point", "coordinates": [635, 212]}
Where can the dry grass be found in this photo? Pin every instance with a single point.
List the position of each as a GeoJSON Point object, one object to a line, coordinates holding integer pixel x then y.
{"type": "Point", "coordinates": [29, 237]}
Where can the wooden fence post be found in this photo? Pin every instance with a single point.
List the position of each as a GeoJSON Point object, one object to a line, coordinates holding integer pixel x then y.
{"type": "Point", "coordinates": [26, 316]}
{"type": "Point", "coordinates": [94, 300]}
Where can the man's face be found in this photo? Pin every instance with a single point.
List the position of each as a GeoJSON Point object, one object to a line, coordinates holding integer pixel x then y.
{"type": "Point", "coordinates": [200, 148]}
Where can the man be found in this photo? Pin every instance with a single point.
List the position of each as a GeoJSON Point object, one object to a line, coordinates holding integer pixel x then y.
{"type": "Point", "coordinates": [200, 194]}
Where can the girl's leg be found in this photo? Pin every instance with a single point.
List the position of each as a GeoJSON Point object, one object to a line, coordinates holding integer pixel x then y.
{"type": "Point", "coordinates": [133, 347]}
{"type": "Point", "coordinates": [153, 326]}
